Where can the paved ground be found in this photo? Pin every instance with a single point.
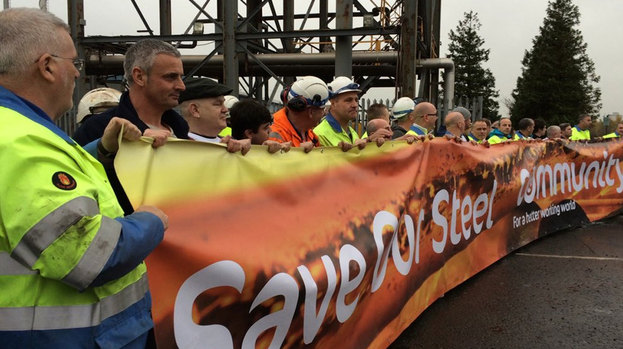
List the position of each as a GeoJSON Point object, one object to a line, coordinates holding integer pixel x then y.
{"type": "Point", "coordinates": [562, 291]}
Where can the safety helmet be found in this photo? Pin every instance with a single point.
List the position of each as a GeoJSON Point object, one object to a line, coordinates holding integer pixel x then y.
{"type": "Point", "coordinates": [230, 101]}
{"type": "Point", "coordinates": [308, 91]}
{"type": "Point", "coordinates": [99, 97]}
{"type": "Point", "coordinates": [402, 107]}
{"type": "Point", "coordinates": [343, 84]}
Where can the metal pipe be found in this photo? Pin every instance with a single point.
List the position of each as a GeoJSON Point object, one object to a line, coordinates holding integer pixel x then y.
{"type": "Point", "coordinates": [448, 66]}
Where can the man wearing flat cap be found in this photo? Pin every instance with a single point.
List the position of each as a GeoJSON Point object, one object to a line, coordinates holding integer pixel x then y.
{"type": "Point", "coordinates": [202, 104]}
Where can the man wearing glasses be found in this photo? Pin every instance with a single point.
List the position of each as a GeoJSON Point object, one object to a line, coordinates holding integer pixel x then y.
{"type": "Point", "coordinates": [71, 265]}
{"type": "Point", "coordinates": [425, 119]}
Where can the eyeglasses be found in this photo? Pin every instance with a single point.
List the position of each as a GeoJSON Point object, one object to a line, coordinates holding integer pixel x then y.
{"type": "Point", "coordinates": [77, 62]}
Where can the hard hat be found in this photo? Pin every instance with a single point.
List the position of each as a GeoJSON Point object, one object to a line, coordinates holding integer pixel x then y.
{"type": "Point", "coordinates": [342, 84]}
{"type": "Point", "coordinates": [311, 90]}
{"type": "Point", "coordinates": [99, 97]}
{"type": "Point", "coordinates": [402, 107]}
{"type": "Point", "coordinates": [230, 101]}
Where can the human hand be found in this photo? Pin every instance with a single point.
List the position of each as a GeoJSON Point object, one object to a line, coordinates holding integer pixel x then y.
{"type": "Point", "coordinates": [360, 143]}
{"type": "Point", "coordinates": [234, 145]}
{"type": "Point", "coordinates": [111, 133]}
{"type": "Point", "coordinates": [160, 136]}
{"type": "Point", "coordinates": [274, 146]}
{"type": "Point", "coordinates": [307, 146]}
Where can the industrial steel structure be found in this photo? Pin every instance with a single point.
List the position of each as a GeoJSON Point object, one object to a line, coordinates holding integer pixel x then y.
{"type": "Point", "coordinates": [259, 46]}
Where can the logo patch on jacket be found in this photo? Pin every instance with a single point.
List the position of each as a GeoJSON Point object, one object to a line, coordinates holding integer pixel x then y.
{"type": "Point", "coordinates": [63, 180]}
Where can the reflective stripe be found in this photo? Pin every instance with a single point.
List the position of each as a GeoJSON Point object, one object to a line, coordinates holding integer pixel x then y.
{"type": "Point", "coordinates": [74, 316]}
{"type": "Point", "coordinates": [96, 255]}
{"type": "Point", "coordinates": [48, 229]}
{"type": "Point", "coordinates": [9, 266]}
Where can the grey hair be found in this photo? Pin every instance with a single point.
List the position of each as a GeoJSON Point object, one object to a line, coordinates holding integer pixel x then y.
{"type": "Point", "coordinates": [26, 34]}
{"type": "Point", "coordinates": [553, 129]}
{"type": "Point", "coordinates": [142, 55]}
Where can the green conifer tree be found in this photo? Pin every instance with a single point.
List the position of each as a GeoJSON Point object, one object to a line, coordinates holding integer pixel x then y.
{"type": "Point", "coordinates": [467, 52]}
{"type": "Point", "coordinates": [558, 80]}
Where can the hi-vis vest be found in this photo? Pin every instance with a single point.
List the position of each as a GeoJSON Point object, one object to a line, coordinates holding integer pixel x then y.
{"type": "Point", "coordinates": [330, 133]}
{"type": "Point", "coordinates": [55, 238]}
{"type": "Point", "coordinates": [579, 135]}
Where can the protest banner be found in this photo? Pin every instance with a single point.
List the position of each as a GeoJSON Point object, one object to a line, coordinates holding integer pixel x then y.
{"type": "Point", "coordinates": [332, 249]}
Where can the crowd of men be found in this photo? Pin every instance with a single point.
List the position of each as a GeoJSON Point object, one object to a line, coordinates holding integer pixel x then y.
{"type": "Point", "coordinates": [71, 244]}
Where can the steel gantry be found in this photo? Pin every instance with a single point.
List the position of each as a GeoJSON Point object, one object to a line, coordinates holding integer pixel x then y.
{"type": "Point", "coordinates": [258, 46]}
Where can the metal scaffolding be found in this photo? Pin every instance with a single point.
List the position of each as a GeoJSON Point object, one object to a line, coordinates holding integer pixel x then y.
{"type": "Point", "coordinates": [259, 46]}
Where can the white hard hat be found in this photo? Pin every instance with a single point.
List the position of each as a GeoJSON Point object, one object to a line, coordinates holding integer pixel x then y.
{"type": "Point", "coordinates": [313, 89]}
{"type": "Point", "coordinates": [230, 101]}
{"type": "Point", "coordinates": [99, 97]}
{"type": "Point", "coordinates": [343, 84]}
{"type": "Point", "coordinates": [402, 107]}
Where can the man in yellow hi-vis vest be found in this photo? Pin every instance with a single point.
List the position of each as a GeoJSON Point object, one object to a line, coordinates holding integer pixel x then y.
{"type": "Point", "coordinates": [71, 266]}
{"type": "Point", "coordinates": [581, 131]}
{"type": "Point", "coordinates": [616, 134]}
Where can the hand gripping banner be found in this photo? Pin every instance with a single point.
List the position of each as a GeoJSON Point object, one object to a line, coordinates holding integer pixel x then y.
{"type": "Point", "coordinates": [332, 249]}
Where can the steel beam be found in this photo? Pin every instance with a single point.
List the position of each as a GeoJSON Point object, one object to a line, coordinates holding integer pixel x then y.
{"type": "Point", "coordinates": [246, 36]}
{"type": "Point", "coordinates": [407, 77]}
{"type": "Point", "coordinates": [165, 17]}
{"type": "Point", "coordinates": [343, 44]}
{"type": "Point", "coordinates": [230, 61]}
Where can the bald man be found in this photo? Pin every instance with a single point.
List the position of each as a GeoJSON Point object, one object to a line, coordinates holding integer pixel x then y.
{"type": "Point", "coordinates": [455, 125]}
{"type": "Point", "coordinates": [379, 128]}
{"type": "Point", "coordinates": [425, 117]}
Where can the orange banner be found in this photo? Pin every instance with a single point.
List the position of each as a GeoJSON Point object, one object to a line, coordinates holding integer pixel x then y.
{"type": "Point", "coordinates": [332, 249]}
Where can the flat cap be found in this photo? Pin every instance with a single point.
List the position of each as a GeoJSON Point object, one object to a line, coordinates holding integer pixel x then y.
{"type": "Point", "coordinates": [203, 88]}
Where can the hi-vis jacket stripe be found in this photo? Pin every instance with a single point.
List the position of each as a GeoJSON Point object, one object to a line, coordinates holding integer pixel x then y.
{"type": "Point", "coordinates": [52, 226]}
{"type": "Point", "coordinates": [73, 316]}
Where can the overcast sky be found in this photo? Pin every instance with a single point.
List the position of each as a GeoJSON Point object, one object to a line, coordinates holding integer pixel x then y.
{"type": "Point", "coordinates": [508, 28]}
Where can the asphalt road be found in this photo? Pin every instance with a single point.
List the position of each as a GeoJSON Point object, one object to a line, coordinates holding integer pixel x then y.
{"type": "Point", "coordinates": [562, 291]}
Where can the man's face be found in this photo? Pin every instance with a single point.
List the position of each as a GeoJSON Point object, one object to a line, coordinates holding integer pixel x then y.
{"type": "Point", "coordinates": [530, 129]}
{"type": "Point", "coordinates": [505, 126]}
{"type": "Point", "coordinates": [344, 107]}
{"type": "Point", "coordinates": [164, 82]}
{"type": "Point", "coordinates": [468, 124]}
{"type": "Point", "coordinates": [213, 112]}
{"type": "Point", "coordinates": [620, 128]}
{"type": "Point", "coordinates": [430, 117]}
{"type": "Point", "coordinates": [567, 132]}
{"type": "Point", "coordinates": [480, 130]}
{"type": "Point", "coordinates": [67, 73]}
{"type": "Point", "coordinates": [262, 134]}
{"type": "Point", "coordinates": [381, 124]}
{"type": "Point", "coordinates": [461, 125]}
{"type": "Point", "coordinates": [586, 123]}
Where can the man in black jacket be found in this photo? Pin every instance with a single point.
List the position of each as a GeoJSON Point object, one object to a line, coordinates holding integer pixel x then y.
{"type": "Point", "coordinates": [153, 70]}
